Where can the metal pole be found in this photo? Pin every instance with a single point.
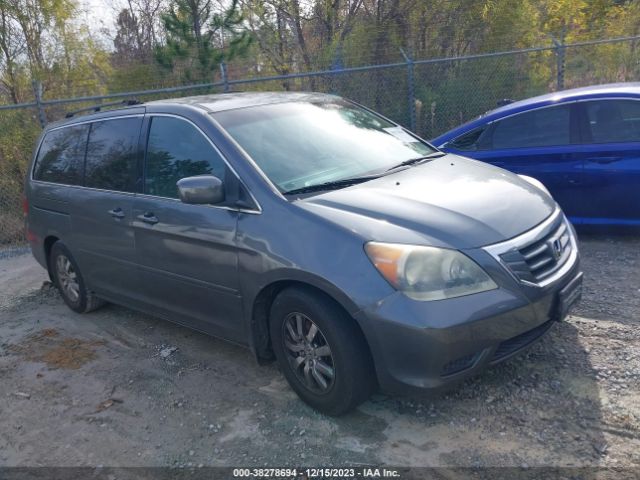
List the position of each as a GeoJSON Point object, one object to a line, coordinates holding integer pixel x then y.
{"type": "Point", "coordinates": [332, 81]}
{"type": "Point", "coordinates": [411, 88]}
{"type": "Point", "coordinates": [336, 65]}
{"type": "Point", "coordinates": [37, 90]}
{"type": "Point", "coordinates": [223, 73]}
{"type": "Point", "coordinates": [561, 51]}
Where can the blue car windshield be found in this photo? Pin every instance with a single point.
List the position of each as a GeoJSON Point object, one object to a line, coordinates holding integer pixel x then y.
{"type": "Point", "coordinates": [302, 144]}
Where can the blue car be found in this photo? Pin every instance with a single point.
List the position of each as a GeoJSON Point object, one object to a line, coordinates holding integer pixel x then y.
{"type": "Point", "coordinates": [582, 144]}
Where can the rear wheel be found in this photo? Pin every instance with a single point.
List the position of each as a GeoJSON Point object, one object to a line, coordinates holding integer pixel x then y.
{"type": "Point", "coordinates": [321, 351]}
{"type": "Point", "coordinates": [69, 281]}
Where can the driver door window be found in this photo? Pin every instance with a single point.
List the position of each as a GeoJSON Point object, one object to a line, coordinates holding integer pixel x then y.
{"type": "Point", "coordinates": [175, 150]}
{"type": "Point", "coordinates": [544, 127]}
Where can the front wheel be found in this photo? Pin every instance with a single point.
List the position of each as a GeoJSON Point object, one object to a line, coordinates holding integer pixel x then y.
{"type": "Point", "coordinates": [69, 281]}
{"type": "Point", "coordinates": [321, 351]}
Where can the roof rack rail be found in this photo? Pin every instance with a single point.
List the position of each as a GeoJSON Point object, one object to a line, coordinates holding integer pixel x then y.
{"type": "Point", "coordinates": [100, 106]}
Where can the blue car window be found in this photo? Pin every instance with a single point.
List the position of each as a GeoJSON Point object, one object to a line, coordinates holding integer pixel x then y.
{"type": "Point", "coordinates": [537, 128]}
{"type": "Point", "coordinates": [469, 141]}
{"type": "Point", "coordinates": [614, 121]}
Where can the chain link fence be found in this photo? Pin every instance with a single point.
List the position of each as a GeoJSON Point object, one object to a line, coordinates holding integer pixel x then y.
{"type": "Point", "coordinates": [427, 96]}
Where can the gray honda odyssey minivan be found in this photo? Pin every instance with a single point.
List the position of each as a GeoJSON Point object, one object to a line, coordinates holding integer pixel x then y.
{"type": "Point", "coordinates": [307, 227]}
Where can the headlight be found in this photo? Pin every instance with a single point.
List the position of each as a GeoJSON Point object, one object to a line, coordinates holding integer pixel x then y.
{"type": "Point", "coordinates": [536, 183]}
{"type": "Point", "coordinates": [428, 273]}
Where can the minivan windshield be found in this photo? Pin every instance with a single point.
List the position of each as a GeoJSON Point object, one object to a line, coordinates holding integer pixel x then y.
{"type": "Point", "coordinates": [303, 144]}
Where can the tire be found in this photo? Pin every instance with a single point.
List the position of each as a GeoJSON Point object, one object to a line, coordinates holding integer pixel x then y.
{"type": "Point", "coordinates": [69, 281]}
{"type": "Point", "coordinates": [347, 370]}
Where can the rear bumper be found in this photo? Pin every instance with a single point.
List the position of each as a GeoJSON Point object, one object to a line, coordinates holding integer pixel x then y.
{"type": "Point", "coordinates": [430, 345]}
{"type": "Point", "coordinates": [36, 243]}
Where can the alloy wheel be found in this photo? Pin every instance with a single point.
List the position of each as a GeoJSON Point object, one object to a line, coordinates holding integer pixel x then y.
{"type": "Point", "coordinates": [308, 353]}
{"type": "Point", "coordinates": [67, 278]}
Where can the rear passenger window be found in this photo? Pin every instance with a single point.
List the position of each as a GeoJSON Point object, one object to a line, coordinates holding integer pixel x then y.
{"type": "Point", "coordinates": [538, 128]}
{"type": "Point", "coordinates": [614, 121]}
{"type": "Point", "coordinates": [175, 150]}
{"type": "Point", "coordinates": [112, 154]}
{"type": "Point", "coordinates": [61, 156]}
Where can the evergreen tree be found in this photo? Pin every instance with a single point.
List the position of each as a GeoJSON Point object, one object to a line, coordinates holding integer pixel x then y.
{"type": "Point", "coordinates": [199, 39]}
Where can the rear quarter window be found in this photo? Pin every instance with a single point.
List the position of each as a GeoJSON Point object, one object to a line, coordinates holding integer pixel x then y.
{"type": "Point", "coordinates": [61, 156]}
{"type": "Point", "coordinates": [469, 141]}
{"type": "Point", "coordinates": [613, 121]}
{"type": "Point", "coordinates": [112, 154]}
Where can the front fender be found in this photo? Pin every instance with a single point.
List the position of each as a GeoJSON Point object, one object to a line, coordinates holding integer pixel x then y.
{"type": "Point", "coordinates": [257, 301]}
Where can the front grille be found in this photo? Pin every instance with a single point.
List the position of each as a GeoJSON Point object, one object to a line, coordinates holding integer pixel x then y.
{"type": "Point", "coordinates": [516, 343]}
{"type": "Point", "coordinates": [542, 257]}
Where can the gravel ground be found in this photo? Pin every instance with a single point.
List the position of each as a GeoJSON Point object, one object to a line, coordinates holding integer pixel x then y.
{"type": "Point", "coordinates": [118, 388]}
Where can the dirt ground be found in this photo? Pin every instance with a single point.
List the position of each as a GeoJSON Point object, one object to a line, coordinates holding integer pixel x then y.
{"type": "Point", "coordinates": [118, 388]}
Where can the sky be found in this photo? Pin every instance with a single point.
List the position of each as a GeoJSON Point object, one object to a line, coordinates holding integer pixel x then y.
{"type": "Point", "coordinates": [100, 14]}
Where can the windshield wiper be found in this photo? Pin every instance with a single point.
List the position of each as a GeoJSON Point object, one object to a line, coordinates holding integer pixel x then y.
{"type": "Point", "coordinates": [413, 161]}
{"type": "Point", "coordinates": [345, 182]}
{"type": "Point", "coordinates": [335, 184]}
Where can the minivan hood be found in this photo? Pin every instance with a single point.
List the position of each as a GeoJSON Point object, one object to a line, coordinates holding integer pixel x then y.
{"type": "Point", "coordinates": [450, 201]}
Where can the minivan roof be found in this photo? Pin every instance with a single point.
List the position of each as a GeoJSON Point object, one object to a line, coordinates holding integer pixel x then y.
{"type": "Point", "coordinates": [231, 101]}
{"type": "Point", "coordinates": [210, 103]}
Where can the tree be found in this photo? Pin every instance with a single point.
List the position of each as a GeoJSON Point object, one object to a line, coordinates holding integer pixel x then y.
{"type": "Point", "coordinates": [199, 39]}
{"type": "Point", "coordinates": [147, 13]}
{"type": "Point", "coordinates": [137, 32]}
{"type": "Point", "coordinates": [127, 42]}
{"type": "Point", "coordinates": [40, 40]}
{"type": "Point", "coordinates": [11, 50]}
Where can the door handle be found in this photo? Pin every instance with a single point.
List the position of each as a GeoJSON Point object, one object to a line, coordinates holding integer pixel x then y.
{"type": "Point", "coordinates": [149, 218]}
{"type": "Point", "coordinates": [603, 160]}
{"type": "Point", "coordinates": [116, 213]}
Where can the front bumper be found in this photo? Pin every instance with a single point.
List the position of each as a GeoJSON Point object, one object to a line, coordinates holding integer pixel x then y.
{"type": "Point", "coordinates": [428, 345]}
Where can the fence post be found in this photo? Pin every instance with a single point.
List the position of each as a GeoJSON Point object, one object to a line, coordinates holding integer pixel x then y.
{"type": "Point", "coordinates": [561, 51]}
{"type": "Point", "coordinates": [337, 64]}
{"type": "Point", "coordinates": [411, 90]}
{"type": "Point", "coordinates": [223, 73]}
{"type": "Point", "coordinates": [37, 90]}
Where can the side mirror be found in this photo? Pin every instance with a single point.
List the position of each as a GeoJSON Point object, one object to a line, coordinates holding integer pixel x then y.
{"type": "Point", "coordinates": [201, 189]}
